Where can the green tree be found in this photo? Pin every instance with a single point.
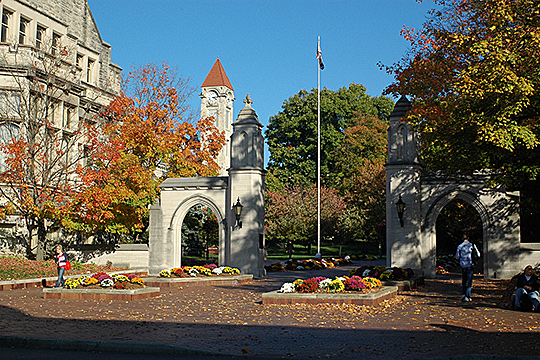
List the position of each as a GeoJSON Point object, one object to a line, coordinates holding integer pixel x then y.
{"type": "Point", "coordinates": [473, 77]}
{"type": "Point", "coordinates": [360, 176]}
{"type": "Point", "coordinates": [292, 133]}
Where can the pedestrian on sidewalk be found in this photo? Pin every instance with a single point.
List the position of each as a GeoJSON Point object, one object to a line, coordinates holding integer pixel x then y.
{"type": "Point", "coordinates": [464, 255]}
{"type": "Point", "coordinates": [527, 285]}
{"type": "Point", "coordinates": [61, 263]}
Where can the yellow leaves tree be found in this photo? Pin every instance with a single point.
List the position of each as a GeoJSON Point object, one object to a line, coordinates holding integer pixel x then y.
{"type": "Point", "coordinates": [472, 75]}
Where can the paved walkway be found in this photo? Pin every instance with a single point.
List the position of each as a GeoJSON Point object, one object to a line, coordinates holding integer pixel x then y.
{"type": "Point", "coordinates": [428, 323]}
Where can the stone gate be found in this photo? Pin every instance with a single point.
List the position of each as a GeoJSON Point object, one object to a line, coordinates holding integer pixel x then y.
{"type": "Point", "coordinates": [411, 241]}
{"type": "Point", "coordinates": [241, 243]}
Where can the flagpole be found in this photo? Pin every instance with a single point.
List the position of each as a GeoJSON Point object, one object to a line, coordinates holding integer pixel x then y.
{"type": "Point", "coordinates": [318, 154]}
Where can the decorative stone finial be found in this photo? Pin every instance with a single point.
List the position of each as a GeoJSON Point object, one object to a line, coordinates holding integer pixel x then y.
{"type": "Point", "coordinates": [248, 100]}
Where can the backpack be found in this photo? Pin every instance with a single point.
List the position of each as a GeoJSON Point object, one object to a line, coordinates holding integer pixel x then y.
{"type": "Point", "coordinates": [474, 254]}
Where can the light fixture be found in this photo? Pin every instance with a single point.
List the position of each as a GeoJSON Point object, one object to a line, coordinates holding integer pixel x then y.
{"type": "Point", "coordinates": [238, 212]}
{"type": "Point", "coordinates": [400, 207]}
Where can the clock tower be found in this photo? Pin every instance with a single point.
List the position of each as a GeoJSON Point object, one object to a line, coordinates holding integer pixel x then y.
{"type": "Point", "coordinates": [217, 96]}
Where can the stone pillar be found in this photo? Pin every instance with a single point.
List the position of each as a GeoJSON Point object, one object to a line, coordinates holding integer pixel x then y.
{"type": "Point", "coordinates": [403, 176]}
{"type": "Point", "coordinates": [156, 241]}
{"type": "Point", "coordinates": [246, 176]}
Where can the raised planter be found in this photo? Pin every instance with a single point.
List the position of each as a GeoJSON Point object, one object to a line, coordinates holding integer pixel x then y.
{"type": "Point", "coordinates": [370, 299]}
{"type": "Point", "coordinates": [101, 294]}
{"type": "Point", "coordinates": [50, 281]}
{"type": "Point", "coordinates": [198, 281]}
{"type": "Point", "coordinates": [405, 285]}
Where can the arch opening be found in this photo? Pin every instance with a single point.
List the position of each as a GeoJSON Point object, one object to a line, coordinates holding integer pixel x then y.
{"type": "Point", "coordinates": [200, 235]}
{"type": "Point", "coordinates": [455, 219]}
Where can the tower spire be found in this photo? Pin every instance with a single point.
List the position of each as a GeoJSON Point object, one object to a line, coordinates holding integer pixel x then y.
{"type": "Point", "coordinates": [217, 77]}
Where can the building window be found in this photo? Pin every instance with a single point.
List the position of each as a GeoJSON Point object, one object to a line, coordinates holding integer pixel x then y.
{"type": "Point", "coordinates": [80, 60]}
{"type": "Point", "coordinates": [23, 28]}
{"type": "Point", "coordinates": [6, 20]}
{"type": "Point", "coordinates": [90, 71]}
{"type": "Point", "coordinates": [56, 44]}
{"type": "Point", "coordinates": [4, 106]}
{"type": "Point", "coordinates": [40, 35]}
{"type": "Point", "coordinates": [15, 105]}
{"type": "Point", "coordinates": [67, 119]}
{"type": "Point", "coordinates": [8, 132]}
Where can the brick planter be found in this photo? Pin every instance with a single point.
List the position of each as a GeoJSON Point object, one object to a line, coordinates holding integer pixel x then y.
{"type": "Point", "coordinates": [51, 281]}
{"type": "Point", "coordinates": [370, 299]}
{"type": "Point", "coordinates": [405, 285]}
{"type": "Point", "coordinates": [101, 294]}
{"type": "Point", "coordinates": [198, 281]}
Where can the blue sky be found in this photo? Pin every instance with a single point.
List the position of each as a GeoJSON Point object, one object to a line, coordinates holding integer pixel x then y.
{"type": "Point", "coordinates": [267, 48]}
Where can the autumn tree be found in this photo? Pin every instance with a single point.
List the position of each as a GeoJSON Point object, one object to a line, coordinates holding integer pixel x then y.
{"type": "Point", "coordinates": [292, 214]}
{"type": "Point", "coordinates": [46, 118]}
{"type": "Point", "coordinates": [472, 75]}
{"type": "Point", "coordinates": [148, 139]}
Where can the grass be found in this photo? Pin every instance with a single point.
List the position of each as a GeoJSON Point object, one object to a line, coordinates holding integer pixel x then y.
{"type": "Point", "coordinates": [301, 251]}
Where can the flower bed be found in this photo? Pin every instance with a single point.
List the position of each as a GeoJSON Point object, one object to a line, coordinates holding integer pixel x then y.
{"type": "Point", "coordinates": [311, 264]}
{"type": "Point", "coordinates": [103, 280]}
{"type": "Point", "coordinates": [195, 271]}
{"type": "Point", "coordinates": [337, 285]}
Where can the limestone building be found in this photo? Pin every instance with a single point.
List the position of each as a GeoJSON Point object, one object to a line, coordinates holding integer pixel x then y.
{"type": "Point", "coordinates": [56, 74]}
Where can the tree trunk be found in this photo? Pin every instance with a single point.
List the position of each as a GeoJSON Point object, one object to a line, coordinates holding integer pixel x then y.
{"type": "Point", "coordinates": [42, 237]}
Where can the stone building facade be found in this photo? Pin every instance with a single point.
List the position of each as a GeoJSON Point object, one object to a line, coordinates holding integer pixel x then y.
{"type": "Point", "coordinates": [55, 69]}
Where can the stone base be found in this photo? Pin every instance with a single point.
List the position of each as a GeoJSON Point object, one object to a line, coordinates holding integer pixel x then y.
{"type": "Point", "coordinates": [101, 294]}
{"type": "Point", "coordinates": [370, 299]}
{"type": "Point", "coordinates": [51, 281]}
{"type": "Point", "coordinates": [405, 285]}
{"type": "Point", "coordinates": [198, 281]}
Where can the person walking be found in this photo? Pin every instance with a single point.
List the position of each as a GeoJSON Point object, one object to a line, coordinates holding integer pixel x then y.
{"type": "Point", "coordinates": [290, 249]}
{"type": "Point", "coordinates": [527, 285]}
{"type": "Point", "coordinates": [61, 262]}
{"type": "Point", "coordinates": [464, 256]}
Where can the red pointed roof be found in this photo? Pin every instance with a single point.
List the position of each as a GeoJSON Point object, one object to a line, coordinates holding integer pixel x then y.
{"type": "Point", "coordinates": [217, 77]}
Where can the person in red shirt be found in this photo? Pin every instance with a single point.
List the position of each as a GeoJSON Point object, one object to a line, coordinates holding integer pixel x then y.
{"type": "Point", "coordinates": [61, 262]}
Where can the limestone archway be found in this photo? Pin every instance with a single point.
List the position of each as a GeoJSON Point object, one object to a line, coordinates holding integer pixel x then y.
{"type": "Point", "coordinates": [434, 208]}
{"type": "Point", "coordinates": [412, 242]}
{"type": "Point", "coordinates": [177, 220]}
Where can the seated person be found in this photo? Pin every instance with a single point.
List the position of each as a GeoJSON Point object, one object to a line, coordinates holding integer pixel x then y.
{"type": "Point", "coordinates": [527, 285]}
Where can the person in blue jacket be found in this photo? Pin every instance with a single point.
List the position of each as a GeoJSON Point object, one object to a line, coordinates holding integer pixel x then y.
{"type": "Point", "coordinates": [464, 256]}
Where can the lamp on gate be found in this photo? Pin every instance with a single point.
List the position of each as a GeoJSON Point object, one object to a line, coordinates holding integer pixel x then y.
{"type": "Point", "coordinates": [237, 213]}
{"type": "Point", "coordinates": [400, 207]}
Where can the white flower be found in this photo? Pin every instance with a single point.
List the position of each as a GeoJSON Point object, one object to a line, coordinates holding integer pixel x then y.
{"type": "Point", "coordinates": [347, 258]}
{"type": "Point", "coordinates": [366, 273]}
{"type": "Point", "coordinates": [287, 288]}
{"type": "Point", "coordinates": [300, 267]}
{"type": "Point", "coordinates": [342, 279]}
{"type": "Point", "coordinates": [325, 283]}
{"type": "Point", "coordinates": [217, 271]}
{"type": "Point", "coordinates": [193, 272]}
{"type": "Point", "coordinates": [107, 282]}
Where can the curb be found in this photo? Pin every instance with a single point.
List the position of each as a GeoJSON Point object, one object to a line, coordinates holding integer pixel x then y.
{"type": "Point", "coordinates": [104, 346]}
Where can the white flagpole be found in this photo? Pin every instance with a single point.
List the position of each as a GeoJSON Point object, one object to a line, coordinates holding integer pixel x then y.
{"type": "Point", "coordinates": [318, 154]}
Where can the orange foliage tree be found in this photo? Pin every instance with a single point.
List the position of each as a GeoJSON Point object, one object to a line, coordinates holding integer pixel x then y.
{"type": "Point", "coordinates": [147, 140]}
